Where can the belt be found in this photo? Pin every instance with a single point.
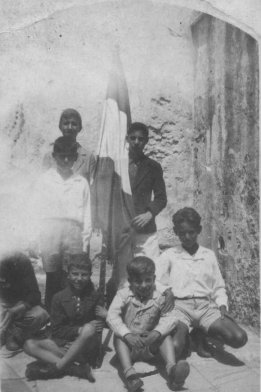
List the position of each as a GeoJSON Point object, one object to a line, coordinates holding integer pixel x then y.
{"type": "Point", "coordinates": [191, 297]}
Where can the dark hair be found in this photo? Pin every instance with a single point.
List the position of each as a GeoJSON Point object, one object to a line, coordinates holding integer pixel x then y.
{"type": "Point", "coordinates": [140, 265]}
{"type": "Point", "coordinates": [65, 145]}
{"type": "Point", "coordinates": [186, 214]}
{"type": "Point", "coordinates": [138, 126]}
{"type": "Point", "coordinates": [79, 260]}
{"type": "Point", "coordinates": [70, 113]}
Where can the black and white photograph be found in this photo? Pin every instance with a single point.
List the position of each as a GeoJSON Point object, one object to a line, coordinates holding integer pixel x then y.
{"type": "Point", "coordinates": [129, 197]}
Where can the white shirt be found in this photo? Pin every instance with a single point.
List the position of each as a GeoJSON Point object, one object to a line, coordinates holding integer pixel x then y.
{"type": "Point", "coordinates": [57, 198]}
{"type": "Point", "coordinates": [191, 276]}
{"type": "Point", "coordinates": [127, 314]}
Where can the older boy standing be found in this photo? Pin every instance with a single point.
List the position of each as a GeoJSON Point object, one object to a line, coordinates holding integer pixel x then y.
{"type": "Point", "coordinates": [61, 211]}
{"type": "Point", "coordinates": [146, 180]}
{"type": "Point", "coordinates": [70, 124]}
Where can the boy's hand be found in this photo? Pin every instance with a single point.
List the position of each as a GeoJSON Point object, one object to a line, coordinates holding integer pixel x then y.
{"type": "Point", "coordinates": [169, 301]}
{"type": "Point", "coordinates": [223, 311]}
{"type": "Point", "coordinates": [141, 220]}
{"type": "Point", "coordinates": [101, 312]}
{"type": "Point", "coordinates": [151, 337]}
{"type": "Point", "coordinates": [98, 324]}
{"type": "Point", "coordinates": [134, 340]}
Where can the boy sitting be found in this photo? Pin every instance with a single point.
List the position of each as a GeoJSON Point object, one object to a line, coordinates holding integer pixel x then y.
{"type": "Point", "coordinates": [141, 328]}
{"type": "Point", "coordinates": [22, 315]}
{"type": "Point", "coordinates": [61, 213]}
{"type": "Point", "coordinates": [199, 289]}
{"type": "Point", "coordinates": [73, 325]}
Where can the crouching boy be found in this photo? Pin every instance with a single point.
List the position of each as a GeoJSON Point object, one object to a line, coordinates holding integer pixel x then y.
{"type": "Point", "coordinates": [74, 329]}
{"type": "Point", "coordinates": [193, 273]}
{"type": "Point", "coordinates": [140, 326]}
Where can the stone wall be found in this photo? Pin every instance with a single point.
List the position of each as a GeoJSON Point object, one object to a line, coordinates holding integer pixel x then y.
{"type": "Point", "coordinates": [64, 60]}
{"type": "Point", "coordinates": [226, 156]}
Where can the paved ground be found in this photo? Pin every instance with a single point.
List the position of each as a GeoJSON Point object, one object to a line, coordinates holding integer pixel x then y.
{"type": "Point", "coordinates": [228, 371]}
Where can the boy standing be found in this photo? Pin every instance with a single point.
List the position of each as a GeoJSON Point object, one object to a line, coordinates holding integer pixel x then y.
{"type": "Point", "coordinates": [73, 325]}
{"type": "Point", "coordinates": [197, 284]}
{"type": "Point", "coordinates": [146, 179]}
{"type": "Point", "coordinates": [61, 209]}
{"type": "Point", "coordinates": [141, 327]}
{"type": "Point", "coordinates": [70, 124]}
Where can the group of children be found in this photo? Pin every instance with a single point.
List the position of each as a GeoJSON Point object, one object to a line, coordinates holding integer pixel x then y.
{"type": "Point", "coordinates": [161, 302]}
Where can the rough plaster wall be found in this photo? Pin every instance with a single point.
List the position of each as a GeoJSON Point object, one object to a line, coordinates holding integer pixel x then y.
{"type": "Point", "coordinates": [226, 156]}
{"type": "Point", "coordinates": [63, 61]}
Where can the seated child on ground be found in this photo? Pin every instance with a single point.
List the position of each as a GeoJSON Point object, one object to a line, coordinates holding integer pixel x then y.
{"type": "Point", "coordinates": [61, 214]}
{"type": "Point", "coordinates": [74, 327]}
{"type": "Point", "coordinates": [141, 327]}
{"type": "Point", "coordinates": [21, 313]}
{"type": "Point", "coordinates": [197, 284]}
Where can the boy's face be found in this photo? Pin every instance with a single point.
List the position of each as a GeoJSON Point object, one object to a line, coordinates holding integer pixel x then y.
{"type": "Point", "coordinates": [70, 126]}
{"type": "Point", "coordinates": [137, 141]}
{"type": "Point", "coordinates": [79, 278]}
{"type": "Point", "coordinates": [143, 286]}
{"type": "Point", "coordinates": [187, 234]}
{"type": "Point", "coordinates": [64, 162]}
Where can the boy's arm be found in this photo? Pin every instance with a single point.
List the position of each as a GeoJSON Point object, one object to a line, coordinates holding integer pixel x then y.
{"type": "Point", "coordinates": [167, 321]}
{"type": "Point", "coordinates": [159, 191]}
{"type": "Point", "coordinates": [114, 317]}
{"type": "Point", "coordinates": [60, 323]}
{"type": "Point", "coordinates": [219, 291]}
{"type": "Point", "coordinates": [162, 272]}
{"type": "Point", "coordinates": [87, 220]}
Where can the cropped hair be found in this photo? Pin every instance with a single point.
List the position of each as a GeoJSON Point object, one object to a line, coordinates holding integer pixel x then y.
{"type": "Point", "coordinates": [138, 266]}
{"type": "Point", "coordinates": [65, 145]}
{"type": "Point", "coordinates": [186, 214]}
{"type": "Point", "coordinates": [79, 260]}
{"type": "Point", "coordinates": [67, 113]}
{"type": "Point", "coordinates": [138, 126]}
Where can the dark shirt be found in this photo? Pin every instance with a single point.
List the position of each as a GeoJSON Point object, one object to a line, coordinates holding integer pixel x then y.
{"type": "Point", "coordinates": [70, 312]}
{"type": "Point", "coordinates": [18, 281]}
{"type": "Point", "coordinates": [148, 190]}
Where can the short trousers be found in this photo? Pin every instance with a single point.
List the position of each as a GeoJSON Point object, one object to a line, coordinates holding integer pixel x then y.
{"type": "Point", "coordinates": [145, 354]}
{"type": "Point", "coordinates": [59, 237]}
{"type": "Point", "coordinates": [196, 312]}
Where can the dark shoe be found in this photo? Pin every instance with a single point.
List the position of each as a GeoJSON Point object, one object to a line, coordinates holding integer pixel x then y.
{"type": "Point", "coordinates": [133, 383]}
{"type": "Point", "coordinates": [81, 371]}
{"type": "Point", "coordinates": [42, 371]}
{"type": "Point", "coordinates": [203, 352]}
{"type": "Point", "coordinates": [178, 375]}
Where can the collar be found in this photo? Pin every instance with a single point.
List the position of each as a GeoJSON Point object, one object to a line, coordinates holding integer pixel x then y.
{"type": "Point", "coordinates": [68, 292]}
{"type": "Point", "coordinates": [199, 255]}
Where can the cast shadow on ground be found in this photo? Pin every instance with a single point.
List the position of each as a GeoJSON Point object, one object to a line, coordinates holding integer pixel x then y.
{"type": "Point", "coordinates": [218, 352]}
{"type": "Point", "coordinates": [156, 362]}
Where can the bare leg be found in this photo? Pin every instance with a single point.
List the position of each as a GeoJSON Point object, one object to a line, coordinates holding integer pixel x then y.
{"type": "Point", "coordinates": [123, 353]}
{"type": "Point", "coordinates": [46, 350]}
{"type": "Point", "coordinates": [167, 352]}
{"type": "Point", "coordinates": [132, 380]}
{"type": "Point", "coordinates": [180, 339]}
{"type": "Point", "coordinates": [87, 333]}
{"type": "Point", "coordinates": [229, 332]}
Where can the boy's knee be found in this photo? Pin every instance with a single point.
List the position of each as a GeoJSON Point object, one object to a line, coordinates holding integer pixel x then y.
{"type": "Point", "coordinates": [240, 339]}
{"type": "Point", "coordinates": [29, 346]}
{"type": "Point", "coordinates": [87, 331]}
